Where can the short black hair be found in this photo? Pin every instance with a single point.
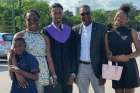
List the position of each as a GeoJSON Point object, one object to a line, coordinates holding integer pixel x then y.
{"type": "Point", "coordinates": [85, 6]}
{"type": "Point", "coordinates": [57, 5]}
{"type": "Point", "coordinates": [20, 40]}
{"type": "Point", "coordinates": [109, 26]}
{"type": "Point", "coordinates": [125, 8]}
{"type": "Point", "coordinates": [34, 11]}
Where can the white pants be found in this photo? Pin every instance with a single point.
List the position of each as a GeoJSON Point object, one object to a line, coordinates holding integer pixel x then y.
{"type": "Point", "coordinates": [85, 76]}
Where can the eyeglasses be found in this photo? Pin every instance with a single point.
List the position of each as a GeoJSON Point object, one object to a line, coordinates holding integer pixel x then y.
{"type": "Point", "coordinates": [85, 13]}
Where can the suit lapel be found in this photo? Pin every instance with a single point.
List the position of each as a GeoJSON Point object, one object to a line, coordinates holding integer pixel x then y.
{"type": "Point", "coordinates": [79, 39]}
{"type": "Point", "coordinates": [94, 35]}
{"type": "Point", "coordinates": [80, 29]}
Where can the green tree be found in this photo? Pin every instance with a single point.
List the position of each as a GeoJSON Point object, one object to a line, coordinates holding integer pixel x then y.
{"type": "Point", "coordinates": [6, 8]}
{"type": "Point", "coordinates": [41, 6]}
{"type": "Point", "coordinates": [73, 20]}
{"type": "Point", "coordinates": [110, 15]}
{"type": "Point", "coordinates": [100, 16]}
{"type": "Point", "coordinates": [70, 19]}
{"type": "Point", "coordinates": [137, 18]}
{"type": "Point", "coordinates": [6, 16]}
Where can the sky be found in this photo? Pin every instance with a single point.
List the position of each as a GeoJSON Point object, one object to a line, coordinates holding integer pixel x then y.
{"type": "Point", "coordinates": [95, 4]}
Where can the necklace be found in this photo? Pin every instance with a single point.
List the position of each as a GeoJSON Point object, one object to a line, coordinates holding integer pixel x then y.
{"type": "Point", "coordinates": [121, 36]}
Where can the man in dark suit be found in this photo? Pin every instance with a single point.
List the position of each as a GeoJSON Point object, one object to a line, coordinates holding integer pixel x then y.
{"type": "Point", "coordinates": [90, 55]}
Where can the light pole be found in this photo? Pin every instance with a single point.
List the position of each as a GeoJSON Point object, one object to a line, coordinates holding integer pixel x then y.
{"type": "Point", "coordinates": [13, 15]}
{"type": "Point", "coordinates": [20, 8]}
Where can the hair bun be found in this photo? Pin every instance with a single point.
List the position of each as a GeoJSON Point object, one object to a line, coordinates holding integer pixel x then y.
{"type": "Point", "coordinates": [125, 8]}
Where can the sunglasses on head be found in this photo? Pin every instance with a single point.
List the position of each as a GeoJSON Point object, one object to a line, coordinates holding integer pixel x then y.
{"type": "Point", "coordinates": [85, 13]}
{"type": "Point", "coordinates": [33, 19]}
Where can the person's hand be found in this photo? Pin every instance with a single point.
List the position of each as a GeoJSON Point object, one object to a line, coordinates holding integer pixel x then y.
{"type": "Point", "coordinates": [22, 82]}
{"type": "Point", "coordinates": [11, 68]}
{"type": "Point", "coordinates": [102, 81]}
{"type": "Point", "coordinates": [11, 56]}
{"type": "Point", "coordinates": [71, 80]}
{"type": "Point", "coordinates": [11, 52]}
{"type": "Point", "coordinates": [54, 77]}
{"type": "Point", "coordinates": [122, 58]}
{"type": "Point", "coordinates": [14, 68]}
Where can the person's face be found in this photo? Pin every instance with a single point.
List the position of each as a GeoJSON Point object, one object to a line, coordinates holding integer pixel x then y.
{"type": "Point", "coordinates": [85, 15]}
{"type": "Point", "coordinates": [57, 14]}
{"type": "Point", "coordinates": [19, 47]}
{"type": "Point", "coordinates": [32, 21]}
{"type": "Point", "coordinates": [120, 19]}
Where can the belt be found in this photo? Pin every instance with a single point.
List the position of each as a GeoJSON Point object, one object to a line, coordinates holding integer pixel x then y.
{"type": "Point", "coordinates": [85, 62]}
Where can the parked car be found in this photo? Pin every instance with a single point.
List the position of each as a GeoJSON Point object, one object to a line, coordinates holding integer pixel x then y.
{"type": "Point", "coordinates": [139, 35]}
{"type": "Point", "coordinates": [5, 43]}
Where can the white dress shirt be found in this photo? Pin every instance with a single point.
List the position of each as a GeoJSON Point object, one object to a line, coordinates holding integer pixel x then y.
{"type": "Point", "coordinates": [85, 43]}
{"type": "Point", "coordinates": [57, 27]}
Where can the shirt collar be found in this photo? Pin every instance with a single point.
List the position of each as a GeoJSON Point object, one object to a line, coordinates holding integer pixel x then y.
{"type": "Point", "coordinates": [62, 26]}
{"type": "Point", "coordinates": [22, 55]}
{"type": "Point", "coordinates": [90, 25]}
{"type": "Point", "coordinates": [33, 32]}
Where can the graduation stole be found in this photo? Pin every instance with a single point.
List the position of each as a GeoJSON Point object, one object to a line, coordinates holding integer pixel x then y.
{"type": "Point", "coordinates": [61, 36]}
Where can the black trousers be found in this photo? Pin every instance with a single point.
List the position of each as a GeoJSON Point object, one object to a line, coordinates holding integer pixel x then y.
{"type": "Point", "coordinates": [60, 88]}
{"type": "Point", "coordinates": [66, 88]}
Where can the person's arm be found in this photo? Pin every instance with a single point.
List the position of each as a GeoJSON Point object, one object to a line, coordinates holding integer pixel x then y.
{"type": "Point", "coordinates": [19, 35]}
{"type": "Point", "coordinates": [21, 75]}
{"type": "Point", "coordinates": [33, 74]}
{"type": "Point", "coordinates": [136, 41]}
{"type": "Point", "coordinates": [34, 65]}
{"type": "Point", "coordinates": [75, 30]}
{"type": "Point", "coordinates": [103, 55]}
{"type": "Point", "coordinates": [74, 54]}
{"type": "Point", "coordinates": [11, 55]}
{"type": "Point", "coordinates": [49, 57]}
{"type": "Point", "coordinates": [50, 60]}
{"type": "Point", "coordinates": [108, 52]}
{"type": "Point", "coordinates": [72, 59]}
{"type": "Point", "coordinates": [103, 48]}
{"type": "Point", "coordinates": [13, 68]}
{"type": "Point", "coordinates": [9, 59]}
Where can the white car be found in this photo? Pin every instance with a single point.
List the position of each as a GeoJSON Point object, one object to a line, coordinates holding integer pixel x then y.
{"type": "Point", "coordinates": [139, 35]}
{"type": "Point", "coordinates": [5, 43]}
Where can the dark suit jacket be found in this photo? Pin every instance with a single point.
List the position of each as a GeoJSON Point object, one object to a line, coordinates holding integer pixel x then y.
{"type": "Point", "coordinates": [97, 47]}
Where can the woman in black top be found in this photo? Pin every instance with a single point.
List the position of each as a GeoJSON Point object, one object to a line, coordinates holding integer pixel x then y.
{"type": "Point", "coordinates": [119, 49]}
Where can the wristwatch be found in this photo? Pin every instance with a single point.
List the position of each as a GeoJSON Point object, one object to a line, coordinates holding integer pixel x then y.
{"type": "Point", "coordinates": [73, 74]}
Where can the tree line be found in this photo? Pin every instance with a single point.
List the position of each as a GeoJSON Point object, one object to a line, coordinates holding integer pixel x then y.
{"type": "Point", "coordinates": [12, 15]}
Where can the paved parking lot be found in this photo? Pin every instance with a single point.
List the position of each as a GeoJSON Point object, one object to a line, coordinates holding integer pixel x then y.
{"type": "Point", "coordinates": [5, 81]}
